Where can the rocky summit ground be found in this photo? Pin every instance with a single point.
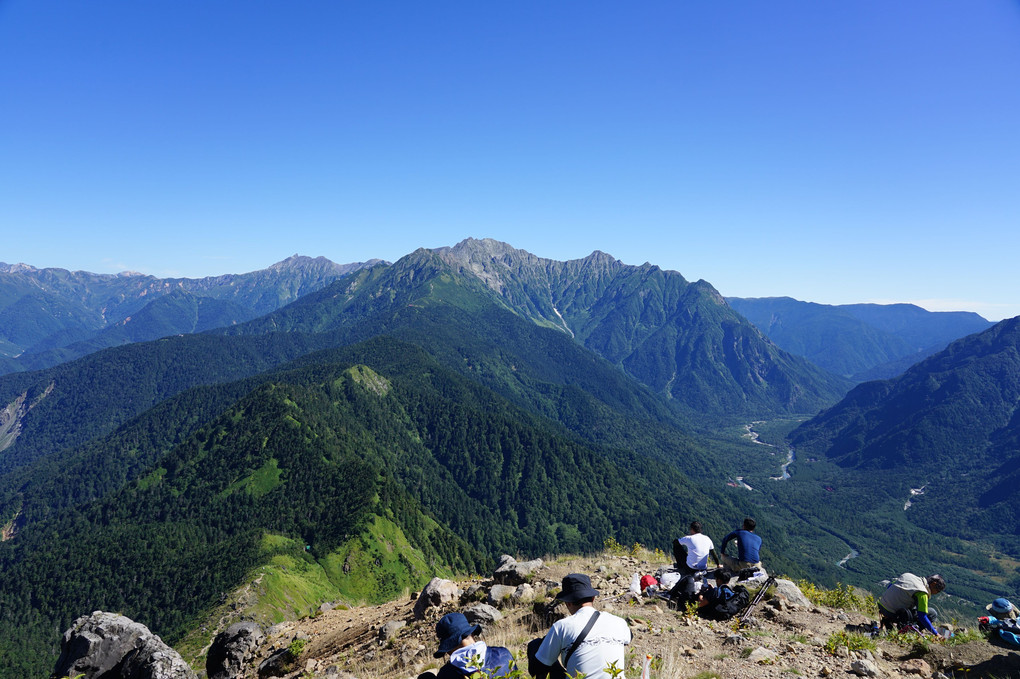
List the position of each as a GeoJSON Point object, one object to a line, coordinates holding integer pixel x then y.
{"type": "Point", "coordinates": [787, 636]}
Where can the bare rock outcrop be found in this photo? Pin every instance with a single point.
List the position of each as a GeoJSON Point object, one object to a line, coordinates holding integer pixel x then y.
{"type": "Point", "coordinates": [111, 646]}
{"type": "Point", "coordinates": [512, 572]}
{"type": "Point", "coordinates": [233, 649]}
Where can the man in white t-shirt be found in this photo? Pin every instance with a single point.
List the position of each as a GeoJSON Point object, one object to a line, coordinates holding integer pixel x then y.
{"type": "Point", "coordinates": [691, 552]}
{"type": "Point", "coordinates": [558, 655]}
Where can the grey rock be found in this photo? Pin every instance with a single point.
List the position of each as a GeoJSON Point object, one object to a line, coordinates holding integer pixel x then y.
{"type": "Point", "coordinates": [788, 590]}
{"type": "Point", "coordinates": [389, 630]}
{"type": "Point", "coordinates": [864, 668]}
{"type": "Point", "coordinates": [512, 572]}
{"type": "Point", "coordinates": [762, 655]}
{"type": "Point", "coordinates": [233, 649]}
{"type": "Point", "coordinates": [482, 614]}
{"type": "Point", "coordinates": [278, 664]}
{"type": "Point", "coordinates": [108, 646]}
{"type": "Point", "coordinates": [435, 594]}
{"type": "Point", "coordinates": [500, 594]}
{"type": "Point", "coordinates": [523, 593]}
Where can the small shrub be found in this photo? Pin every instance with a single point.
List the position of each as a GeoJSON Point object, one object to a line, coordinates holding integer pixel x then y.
{"type": "Point", "coordinates": [613, 547]}
{"type": "Point", "coordinates": [853, 641]}
{"type": "Point", "coordinates": [843, 596]}
{"type": "Point", "coordinates": [296, 647]}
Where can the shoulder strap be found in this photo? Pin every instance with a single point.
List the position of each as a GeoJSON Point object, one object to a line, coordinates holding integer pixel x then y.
{"type": "Point", "coordinates": [580, 638]}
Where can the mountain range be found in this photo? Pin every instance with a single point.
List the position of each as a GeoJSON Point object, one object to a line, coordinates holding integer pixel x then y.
{"type": "Point", "coordinates": [410, 419]}
{"type": "Point", "coordinates": [861, 342]}
{"type": "Point", "coordinates": [49, 316]}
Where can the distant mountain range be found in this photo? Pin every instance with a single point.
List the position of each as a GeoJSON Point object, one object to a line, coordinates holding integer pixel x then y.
{"type": "Point", "coordinates": [48, 316]}
{"type": "Point", "coordinates": [859, 341]}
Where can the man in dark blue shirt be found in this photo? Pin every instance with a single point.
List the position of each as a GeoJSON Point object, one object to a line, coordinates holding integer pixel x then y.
{"type": "Point", "coordinates": [748, 544]}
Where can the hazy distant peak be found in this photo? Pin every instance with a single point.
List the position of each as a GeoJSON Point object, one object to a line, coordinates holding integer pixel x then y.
{"type": "Point", "coordinates": [15, 268]}
{"type": "Point", "coordinates": [297, 262]}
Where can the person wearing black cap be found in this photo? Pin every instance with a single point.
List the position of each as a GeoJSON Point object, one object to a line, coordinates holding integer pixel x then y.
{"type": "Point", "coordinates": [586, 642]}
{"type": "Point", "coordinates": [457, 637]}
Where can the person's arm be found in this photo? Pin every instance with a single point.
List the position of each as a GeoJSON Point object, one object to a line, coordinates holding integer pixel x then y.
{"type": "Point", "coordinates": [715, 555]}
{"type": "Point", "coordinates": [922, 612]}
{"type": "Point", "coordinates": [546, 656]}
{"type": "Point", "coordinates": [725, 541]}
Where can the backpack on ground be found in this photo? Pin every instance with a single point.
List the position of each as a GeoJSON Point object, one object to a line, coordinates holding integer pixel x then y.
{"type": "Point", "coordinates": [732, 602]}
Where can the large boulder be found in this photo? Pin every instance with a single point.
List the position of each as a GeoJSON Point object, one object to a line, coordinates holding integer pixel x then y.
{"type": "Point", "coordinates": [512, 572]}
{"type": "Point", "coordinates": [110, 646]}
{"type": "Point", "coordinates": [435, 594]}
{"type": "Point", "coordinates": [233, 649]}
{"type": "Point", "coordinates": [789, 590]}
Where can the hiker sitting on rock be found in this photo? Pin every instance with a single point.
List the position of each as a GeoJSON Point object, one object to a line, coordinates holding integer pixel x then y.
{"type": "Point", "coordinates": [467, 656]}
{"type": "Point", "coordinates": [748, 544]}
{"type": "Point", "coordinates": [585, 643]}
{"type": "Point", "coordinates": [906, 598]}
{"type": "Point", "coordinates": [691, 552]}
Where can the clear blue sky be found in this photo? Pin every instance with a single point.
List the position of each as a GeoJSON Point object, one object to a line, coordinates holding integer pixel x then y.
{"type": "Point", "coordinates": [834, 152]}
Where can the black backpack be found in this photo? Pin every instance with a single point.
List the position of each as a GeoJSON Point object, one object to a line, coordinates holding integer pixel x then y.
{"type": "Point", "coordinates": [730, 604]}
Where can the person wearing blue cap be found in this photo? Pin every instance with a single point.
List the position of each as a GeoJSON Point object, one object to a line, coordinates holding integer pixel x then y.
{"type": "Point", "coordinates": [587, 642]}
{"type": "Point", "coordinates": [467, 656]}
{"type": "Point", "coordinates": [1001, 608]}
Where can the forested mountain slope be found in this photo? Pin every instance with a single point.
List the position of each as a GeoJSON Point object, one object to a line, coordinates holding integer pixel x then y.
{"type": "Point", "coordinates": [950, 425]}
{"type": "Point", "coordinates": [311, 454]}
{"type": "Point", "coordinates": [858, 341]}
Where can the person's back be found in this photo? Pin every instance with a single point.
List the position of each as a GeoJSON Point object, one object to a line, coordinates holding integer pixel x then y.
{"type": "Point", "coordinates": [587, 642]}
{"type": "Point", "coordinates": [691, 552]}
{"type": "Point", "coordinates": [748, 546]}
{"type": "Point", "coordinates": [602, 647]}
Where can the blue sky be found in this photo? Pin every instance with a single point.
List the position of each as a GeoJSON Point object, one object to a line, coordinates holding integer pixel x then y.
{"type": "Point", "coordinates": [864, 151]}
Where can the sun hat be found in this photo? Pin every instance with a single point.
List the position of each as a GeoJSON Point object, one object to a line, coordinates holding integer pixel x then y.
{"type": "Point", "coordinates": [451, 630]}
{"type": "Point", "coordinates": [1001, 607]}
{"type": "Point", "coordinates": [576, 587]}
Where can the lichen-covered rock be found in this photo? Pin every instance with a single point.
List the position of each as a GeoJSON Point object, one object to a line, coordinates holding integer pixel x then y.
{"type": "Point", "coordinates": [111, 646]}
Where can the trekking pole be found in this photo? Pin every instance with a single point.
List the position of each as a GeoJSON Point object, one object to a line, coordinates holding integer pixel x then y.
{"type": "Point", "coordinates": [746, 615]}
